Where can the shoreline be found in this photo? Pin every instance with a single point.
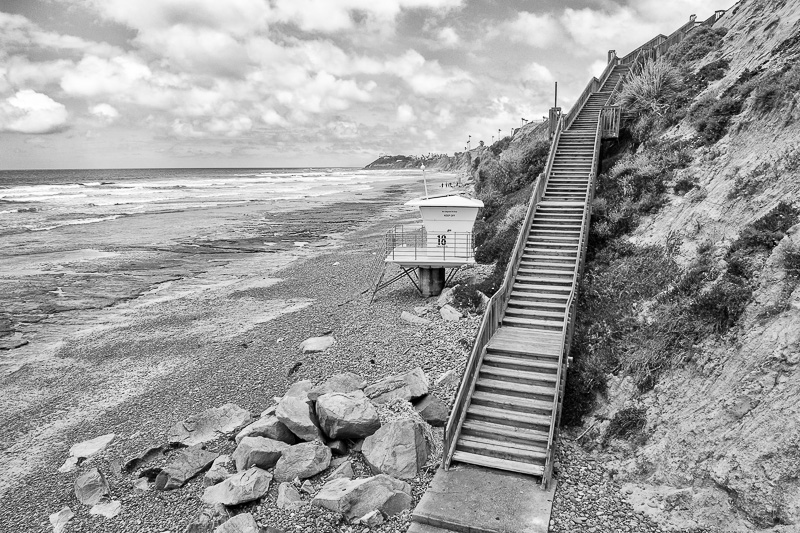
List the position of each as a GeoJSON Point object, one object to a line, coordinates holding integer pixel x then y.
{"type": "Point", "coordinates": [199, 342]}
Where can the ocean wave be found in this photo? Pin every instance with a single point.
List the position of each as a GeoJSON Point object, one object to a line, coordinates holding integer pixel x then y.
{"type": "Point", "coordinates": [76, 222]}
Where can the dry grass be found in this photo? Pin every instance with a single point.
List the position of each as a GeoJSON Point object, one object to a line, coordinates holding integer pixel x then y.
{"type": "Point", "coordinates": [650, 89]}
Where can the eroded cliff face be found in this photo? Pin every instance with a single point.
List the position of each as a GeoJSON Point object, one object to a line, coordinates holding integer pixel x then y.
{"type": "Point", "coordinates": [723, 429]}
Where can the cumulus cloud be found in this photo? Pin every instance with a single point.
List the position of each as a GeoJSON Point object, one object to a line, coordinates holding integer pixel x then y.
{"type": "Point", "coordinates": [539, 31]}
{"type": "Point", "coordinates": [448, 37]}
{"type": "Point", "coordinates": [405, 113]}
{"type": "Point", "coordinates": [94, 76]}
{"type": "Point", "coordinates": [105, 112]}
{"type": "Point", "coordinates": [31, 112]}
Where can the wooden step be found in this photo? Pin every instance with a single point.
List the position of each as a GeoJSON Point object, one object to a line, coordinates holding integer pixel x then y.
{"type": "Point", "coordinates": [539, 297]}
{"type": "Point", "coordinates": [511, 418]}
{"type": "Point", "coordinates": [545, 325]}
{"type": "Point", "coordinates": [517, 376]}
{"type": "Point", "coordinates": [512, 451]}
{"type": "Point", "coordinates": [531, 391]}
{"type": "Point", "coordinates": [544, 306]}
{"type": "Point", "coordinates": [499, 464]}
{"type": "Point", "coordinates": [523, 363]}
{"type": "Point", "coordinates": [523, 312]}
{"type": "Point", "coordinates": [480, 427]}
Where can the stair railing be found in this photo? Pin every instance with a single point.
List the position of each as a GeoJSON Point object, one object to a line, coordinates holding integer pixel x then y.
{"type": "Point", "coordinates": [569, 317]}
{"type": "Point", "coordinates": [495, 310]}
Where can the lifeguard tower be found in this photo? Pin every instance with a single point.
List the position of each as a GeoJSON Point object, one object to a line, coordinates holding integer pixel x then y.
{"type": "Point", "coordinates": [424, 251]}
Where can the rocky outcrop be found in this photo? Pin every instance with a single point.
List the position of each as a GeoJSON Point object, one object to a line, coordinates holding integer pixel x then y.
{"type": "Point", "coordinates": [296, 412]}
{"type": "Point", "coordinates": [184, 466]}
{"type": "Point", "coordinates": [270, 427]}
{"type": "Point", "coordinates": [91, 487]}
{"type": "Point", "coordinates": [240, 488]}
{"type": "Point", "coordinates": [398, 448]}
{"type": "Point", "coordinates": [347, 415]}
{"type": "Point", "coordinates": [302, 461]}
{"type": "Point", "coordinates": [209, 425]}
{"type": "Point", "coordinates": [258, 451]}
{"type": "Point", "coordinates": [345, 382]}
{"type": "Point", "coordinates": [358, 497]}
{"type": "Point", "coordinates": [408, 386]}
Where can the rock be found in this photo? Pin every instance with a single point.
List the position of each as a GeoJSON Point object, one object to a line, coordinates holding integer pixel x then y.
{"type": "Point", "coordinates": [398, 448]}
{"type": "Point", "coordinates": [358, 497]}
{"type": "Point", "coordinates": [445, 380]}
{"type": "Point", "coordinates": [288, 497]}
{"type": "Point", "coordinates": [450, 313]}
{"type": "Point", "coordinates": [344, 470]}
{"type": "Point", "coordinates": [411, 385]}
{"type": "Point", "coordinates": [446, 297]}
{"type": "Point", "coordinates": [414, 319]}
{"type": "Point", "coordinates": [372, 519]}
{"type": "Point", "coordinates": [241, 523]}
{"type": "Point", "coordinates": [91, 487]}
{"type": "Point", "coordinates": [258, 451]}
{"type": "Point", "coordinates": [317, 344]}
{"type": "Point", "coordinates": [302, 461]}
{"type": "Point", "coordinates": [59, 520]}
{"type": "Point", "coordinates": [141, 484]}
{"type": "Point", "coordinates": [87, 448]}
{"type": "Point", "coordinates": [338, 447]}
{"type": "Point", "coordinates": [420, 310]}
{"type": "Point", "coordinates": [307, 487]}
{"type": "Point", "coordinates": [148, 455]}
{"type": "Point", "coordinates": [296, 412]}
{"type": "Point", "coordinates": [432, 410]}
{"type": "Point", "coordinates": [184, 466]}
{"type": "Point", "coordinates": [240, 488]}
{"type": "Point", "coordinates": [347, 415]}
{"type": "Point", "coordinates": [209, 424]}
{"type": "Point", "coordinates": [269, 427]}
{"type": "Point", "coordinates": [210, 518]}
{"type": "Point", "coordinates": [485, 301]}
{"type": "Point", "coordinates": [218, 472]}
{"type": "Point", "coordinates": [69, 465]}
{"type": "Point", "coordinates": [107, 509]}
{"type": "Point", "coordinates": [346, 382]}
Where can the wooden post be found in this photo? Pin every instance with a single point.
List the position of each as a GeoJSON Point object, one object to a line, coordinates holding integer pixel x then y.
{"type": "Point", "coordinates": [612, 54]}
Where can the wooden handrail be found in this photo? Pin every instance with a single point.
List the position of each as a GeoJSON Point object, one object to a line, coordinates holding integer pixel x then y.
{"type": "Point", "coordinates": [607, 72]}
{"type": "Point", "coordinates": [494, 311]}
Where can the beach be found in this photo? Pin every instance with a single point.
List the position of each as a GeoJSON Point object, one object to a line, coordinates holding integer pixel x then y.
{"type": "Point", "coordinates": [133, 323]}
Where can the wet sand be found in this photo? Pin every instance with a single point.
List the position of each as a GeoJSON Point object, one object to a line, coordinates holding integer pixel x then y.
{"type": "Point", "coordinates": [179, 312]}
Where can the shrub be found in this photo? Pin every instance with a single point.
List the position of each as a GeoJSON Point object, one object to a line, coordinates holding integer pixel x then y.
{"type": "Point", "coordinates": [467, 297]}
{"type": "Point", "coordinates": [765, 233]}
{"type": "Point", "coordinates": [777, 89]}
{"type": "Point", "coordinates": [500, 145]}
{"type": "Point", "coordinates": [684, 185]}
{"type": "Point", "coordinates": [724, 303]}
{"type": "Point", "coordinates": [627, 423]}
{"type": "Point", "coordinates": [648, 90]}
{"type": "Point", "coordinates": [697, 45]}
{"type": "Point", "coordinates": [711, 116]}
{"type": "Point", "coordinates": [790, 259]}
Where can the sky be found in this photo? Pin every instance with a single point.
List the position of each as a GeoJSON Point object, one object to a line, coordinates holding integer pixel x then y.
{"type": "Point", "coordinates": [298, 83]}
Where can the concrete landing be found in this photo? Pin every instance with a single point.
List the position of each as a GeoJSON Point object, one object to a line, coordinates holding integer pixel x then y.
{"type": "Point", "coordinates": [472, 499]}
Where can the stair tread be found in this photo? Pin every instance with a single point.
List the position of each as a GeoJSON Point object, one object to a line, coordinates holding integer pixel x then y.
{"type": "Point", "coordinates": [551, 325]}
{"type": "Point", "coordinates": [532, 294]}
{"type": "Point", "coordinates": [533, 435]}
{"type": "Point", "coordinates": [510, 416]}
{"type": "Point", "coordinates": [524, 303]}
{"type": "Point", "coordinates": [519, 388]}
{"type": "Point", "coordinates": [500, 464]}
{"type": "Point", "coordinates": [493, 372]}
{"type": "Point", "coordinates": [537, 313]}
{"type": "Point", "coordinates": [517, 361]}
{"type": "Point", "coordinates": [489, 446]}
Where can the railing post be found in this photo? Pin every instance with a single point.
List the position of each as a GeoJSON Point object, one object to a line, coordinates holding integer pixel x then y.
{"type": "Point", "coordinates": [612, 55]}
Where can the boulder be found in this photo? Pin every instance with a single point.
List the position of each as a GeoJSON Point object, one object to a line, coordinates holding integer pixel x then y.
{"type": "Point", "coordinates": [143, 458]}
{"type": "Point", "coordinates": [210, 518]}
{"type": "Point", "coordinates": [209, 424]}
{"type": "Point", "coordinates": [69, 465]}
{"type": "Point", "coordinates": [446, 297]}
{"type": "Point", "coordinates": [241, 523]}
{"type": "Point", "coordinates": [408, 386]}
{"type": "Point", "coordinates": [87, 448]}
{"type": "Point", "coordinates": [288, 497]}
{"type": "Point", "coordinates": [59, 520]}
{"type": "Point", "coordinates": [317, 344]}
{"type": "Point", "coordinates": [91, 487]}
{"type": "Point", "coordinates": [302, 461]}
{"type": "Point", "coordinates": [358, 497]}
{"type": "Point", "coordinates": [141, 484]}
{"type": "Point", "coordinates": [183, 466]}
{"type": "Point", "coordinates": [269, 427]}
{"type": "Point", "coordinates": [372, 519]}
{"type": "Point", "coordinates": [450, 313]}
{"type": "Point", "coordinates": [258, 451]}
{"type": "Point", "coordinates": [240, 488]}
{"type": "Point", "coordinates": [107, 509]}
{"type": "Point", "coordinates": [218, 471]}
{"type": "Point", "coordinates": [344, 470]}
{"type": "Point", "coordinates": [345, 382]}
{"type": "Point", "coordinates": [432, 410]}
{"type": "Point", "coordinates": [347, 415]}
{"type": "Point", "coordinates": [420, 310]}
{"type": "Point", "coordinates": [296, 412]}
{"type": "Point", "coordinates": [398, 448]}
{"type": "Point", "coordinates": [338, 447]}
{"type": "Point", "coordinates": [307, 487]}
{"type": "Point", "coordinates": [446, 379]}
{"type": "Point", "coordinates": [414, 319]}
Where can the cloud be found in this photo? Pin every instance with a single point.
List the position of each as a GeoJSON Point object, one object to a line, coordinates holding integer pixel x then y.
{"type": "Point", "coordinates": [536, 73]}
{"type": "Point", "coordinates": [539, 31]}
{"type": "Point", "coordinates": [448, 37]}
{"type": "Point", "coordinates": [106, 112]}
{"type": "Point", "coordinates": [31, 112]}
{"type": "Point", "coordinates": [405, 113]}
{"type": "Point", "coordinates": [94, 76]}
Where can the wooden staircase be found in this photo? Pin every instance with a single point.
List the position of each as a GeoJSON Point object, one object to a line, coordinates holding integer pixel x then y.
{"type": "Point", "coordinates": [507, 411]}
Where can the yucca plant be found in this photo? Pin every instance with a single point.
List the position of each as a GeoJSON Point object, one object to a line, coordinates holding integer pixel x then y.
{"type": "Point", "coordinates": [650, 89]}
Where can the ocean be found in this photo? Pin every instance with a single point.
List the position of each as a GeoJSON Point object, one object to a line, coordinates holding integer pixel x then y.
{"type": "Point", "coordinates": [43, 200]}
